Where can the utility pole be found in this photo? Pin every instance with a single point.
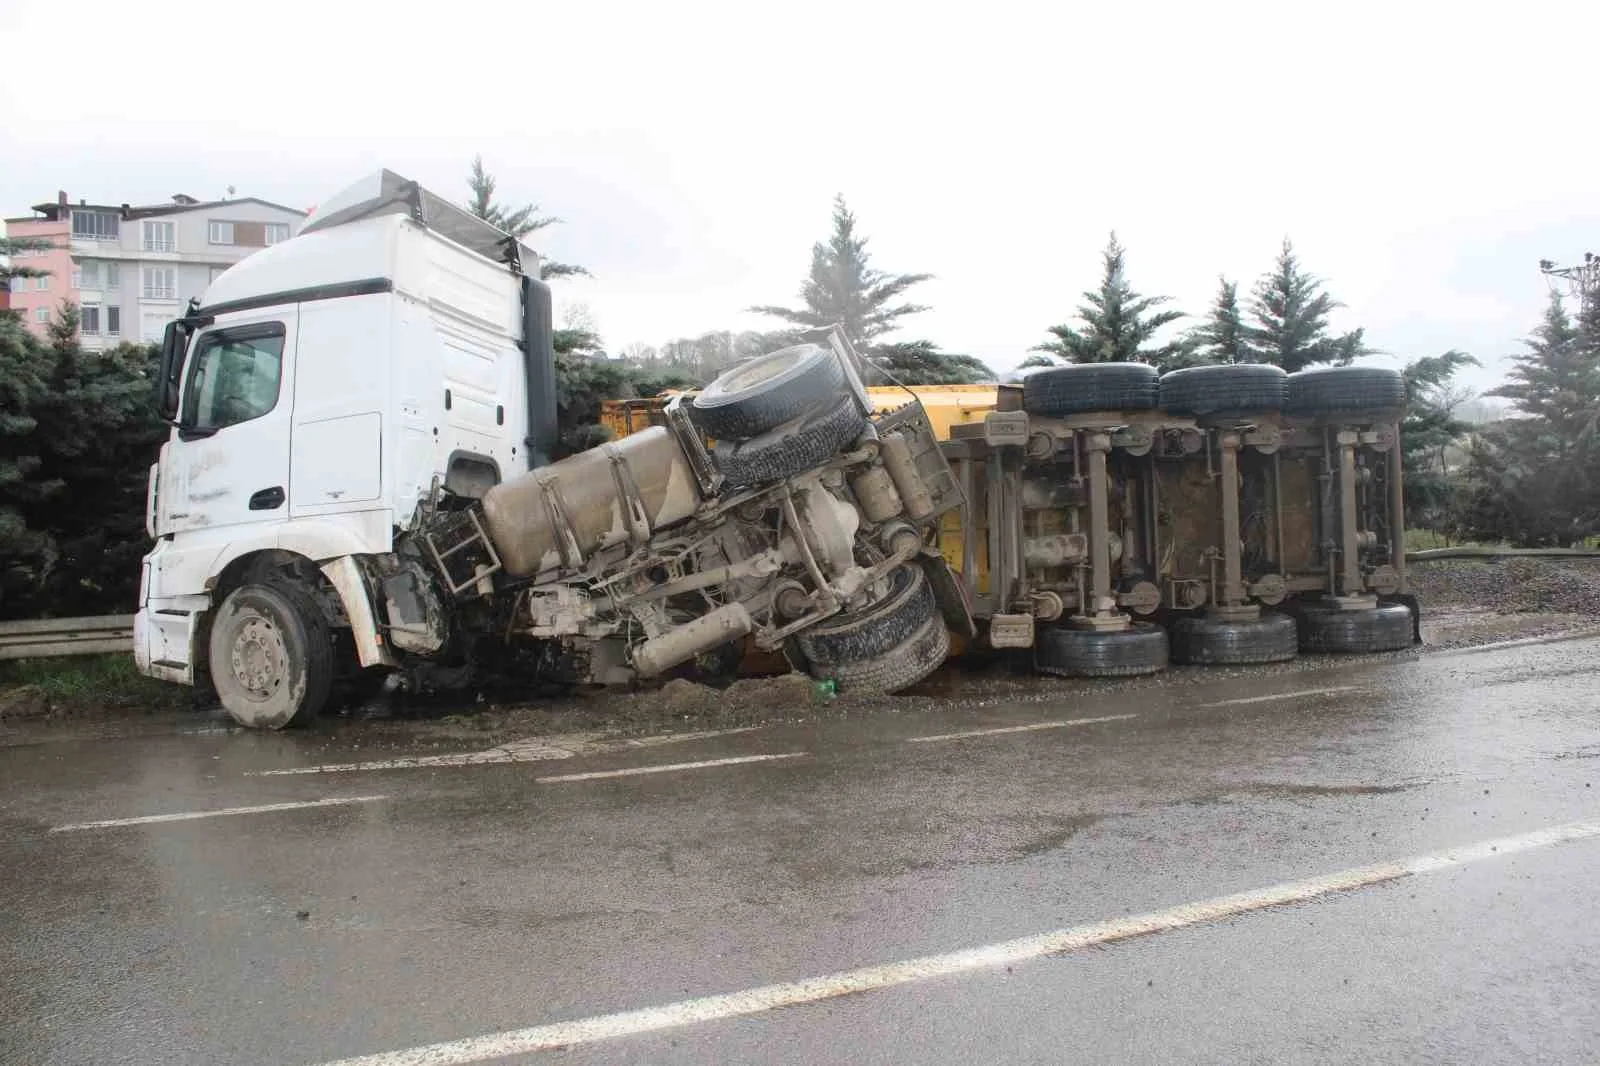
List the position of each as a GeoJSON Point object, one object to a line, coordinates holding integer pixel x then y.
{"type": "Point", "coordinates": [1583, 280]}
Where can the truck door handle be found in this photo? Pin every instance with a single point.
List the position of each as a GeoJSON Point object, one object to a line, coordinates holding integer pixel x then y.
{"type": "Point", "coordinates": [267, 499]}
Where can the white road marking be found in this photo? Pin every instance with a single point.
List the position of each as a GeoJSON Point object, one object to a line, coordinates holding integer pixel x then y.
{"type": "Point", "coordinates": [1281, 696]}
{"type": "Point", "coordinates": [667, 768]}
{"type": "Point", "coordinates": [1019, 728]}
{"type": "Point", "coordinates": [537, 749]}
{"type": "Point", "coordinates": [189, 816]}
{"type": "Point", "coordinates": [989, 957]}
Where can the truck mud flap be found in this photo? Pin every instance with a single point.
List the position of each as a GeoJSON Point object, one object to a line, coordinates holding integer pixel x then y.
{"type": "Point", "coordinates": [950, 594]}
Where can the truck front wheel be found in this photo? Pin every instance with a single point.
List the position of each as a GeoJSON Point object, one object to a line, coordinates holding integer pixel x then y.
{"type": "Point", "coordinates": [271, 656]}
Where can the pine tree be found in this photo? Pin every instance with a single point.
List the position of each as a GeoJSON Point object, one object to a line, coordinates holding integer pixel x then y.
{"type": "Point", "coordinates": [1118, 324]}
{"type": "Point", "coordinates": [844, 289]}
{"type": "Point", "coordinates": [1222, 337]}
{"type": "Point", "coordinates": [1290, 312]}
{"type": "Point", "coordinates": [518, 221]}
{"type": "Point", "coordinates": [1430, 431]}
{"type": "Point", "coordinates": [1539, 484]}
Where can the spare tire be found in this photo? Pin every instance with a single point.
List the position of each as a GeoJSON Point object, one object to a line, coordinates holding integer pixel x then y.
{"type": "Point", "coordinates": [790, 449]}
{"type": "Point", "coordinates": [1224, 391]}
{"type": "Point", "coordinates": [1347, 390]}
{"type": "Point", "coordinates": [763, 393]}
{"type": "Point", "coordinates": [1086, 387]}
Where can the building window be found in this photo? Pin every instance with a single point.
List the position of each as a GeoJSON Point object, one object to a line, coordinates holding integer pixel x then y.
{"type": "Point", "coordinates": [234, 376]}
{"type": "Point", "coordinates": [96, 225]}
{"type": "Point", "coordinates": [113, 321]}
{"type": "Point", "coordinates": [159, 237]}
{"type": "Point", "coordinates": [221, 233]}
{"type": "Point", "coordinates": [89, 320]}
{"type": "Point", "coordinates": [217, 272]}
{"type": "Point", "coordinates": [160, 283]}
{"type": "Point", "coordinates": [89, 273]}
{"type": "Point", "coordinates": [277, 232]}
{"type": "Point", "coordinates": [41, 314]}
{"type": "Point", "coordinates": [111, 276]}
{"type": "Point", "coordinates": [42, 282]}
{"type": "Point", "coordinates": [18, 284]}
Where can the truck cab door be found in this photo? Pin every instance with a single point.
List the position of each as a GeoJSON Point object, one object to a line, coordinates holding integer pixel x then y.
{"type": "Point", "coordinates": [228, 462]}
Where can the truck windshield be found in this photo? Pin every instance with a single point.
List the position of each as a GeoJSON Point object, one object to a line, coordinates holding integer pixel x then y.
{"type": "Point", "coordinates": [234, 377]}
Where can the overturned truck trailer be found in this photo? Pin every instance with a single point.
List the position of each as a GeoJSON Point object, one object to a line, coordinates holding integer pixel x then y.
{"type": "Point", "coordinates": [1216, 515]}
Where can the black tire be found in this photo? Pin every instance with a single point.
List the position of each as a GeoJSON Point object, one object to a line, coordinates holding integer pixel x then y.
{"type": "Point", "coordinates": [763, 393]}
{"type": "Point", "coordinates": [862, 636]}
{"type": "Point", "coordinates": [1086, 387]}
{"type": "Point", "coordinates": [1347, 390]}
{"type": "Point", "coordinates": [1224, 391]}
{"type": "Point", "coordinates": [1367, 630]}
{"type": "Point", "coordinates": [1072, 652]}
{"type": "Point", "coordinates": [791, 449]}
{"type": "Point", "coordinates": [1212, 641]}
{"type": "Point", "coordinates": [898, 668]}
{"type": "Point", "coordinates": [271, 656]}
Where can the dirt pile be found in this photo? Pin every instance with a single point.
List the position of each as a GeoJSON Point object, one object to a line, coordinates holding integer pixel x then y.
{"type": "Point", "coordinates": [1511, 586]}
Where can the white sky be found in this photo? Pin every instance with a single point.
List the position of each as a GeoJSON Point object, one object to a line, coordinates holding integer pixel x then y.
{"type": "Point", "coordinates": [1423, 156]}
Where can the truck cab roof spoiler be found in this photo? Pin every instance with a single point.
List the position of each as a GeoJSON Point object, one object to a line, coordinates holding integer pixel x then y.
{"type": "Point", "coordinates": [386, 192]}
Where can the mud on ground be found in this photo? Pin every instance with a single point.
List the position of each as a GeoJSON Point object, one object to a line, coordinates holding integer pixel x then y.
{"type": "Point", "coordinates": [1464, 603]}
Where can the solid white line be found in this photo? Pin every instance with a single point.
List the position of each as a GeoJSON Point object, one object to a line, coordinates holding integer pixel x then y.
{"type": "Point", "coordinates": [668, 768]}
{"type": "Point", "coordinates": [1018, 728]}
{"type": "Point", "coordinates": [992, 956]}
{"type": "Point", "coordinates": [189, 816]}
{"type": "Point", "coordinates": [1281, 696]}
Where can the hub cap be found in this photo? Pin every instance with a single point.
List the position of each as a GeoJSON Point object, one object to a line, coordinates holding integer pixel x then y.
{"type": "Point", "coordinates": [260, 660]}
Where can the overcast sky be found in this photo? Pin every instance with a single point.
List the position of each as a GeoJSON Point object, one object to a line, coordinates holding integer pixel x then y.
{"type": "Point", "coordinates": [1423, 157]}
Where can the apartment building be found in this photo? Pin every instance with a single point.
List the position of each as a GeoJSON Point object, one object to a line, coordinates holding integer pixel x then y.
{"type": "Point", "coordinates": [132, 269]}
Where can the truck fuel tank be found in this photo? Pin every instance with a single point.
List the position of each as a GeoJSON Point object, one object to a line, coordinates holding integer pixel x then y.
{"type": "Point", "coordinates": [559, 515]}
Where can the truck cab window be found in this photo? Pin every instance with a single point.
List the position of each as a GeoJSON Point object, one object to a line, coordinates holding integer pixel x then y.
{"type": "Point", "coordinates": [234, 377]}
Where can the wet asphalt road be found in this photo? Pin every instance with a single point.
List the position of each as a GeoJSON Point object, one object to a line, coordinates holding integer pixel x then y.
{"type": "Point", "coordinates": [471, 900]}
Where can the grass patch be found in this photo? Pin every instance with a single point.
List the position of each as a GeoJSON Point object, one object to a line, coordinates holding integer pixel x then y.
{"type": "Point", "coordinates": [88, 681]}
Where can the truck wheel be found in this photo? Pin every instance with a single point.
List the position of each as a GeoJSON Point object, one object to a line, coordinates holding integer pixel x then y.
{"type": "Point", "coordinates": [1366, 630]}
{"type": "Point", "coordinates": [1084, 387]}
{"type": "Point", "coordinates": [898, 668]}
{"type": "Point", "coordinates": [1224, 391]}
{"type": "Point", "coordinates": [1347, 390]}
{"type": "Point", "coordinates": [271, 656]}
{"type": "Point", "coordinates": [1072, 652]}
{"type": "Point", "coordinates": [1213, 641]}
{"type": "Point", "coordinates": [763, 393]}
{"type": "Point", "coordinates": [862, 636]}
{"type": "Point", "coordinates": [791, 449]}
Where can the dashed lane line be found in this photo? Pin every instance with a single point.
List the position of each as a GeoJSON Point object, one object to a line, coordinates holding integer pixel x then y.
{"type": "Point", "coordinates": [989, 957]}
{"type": "Point", "coordinates": [536, 749]}
{"type": "Point", "coordinates": [1033, 728]}
{"type": "Point", "coordinates": [667, 768]}
{"type": "Point", "coordinates": [190, 816]}
{"type": "Point", "coordinates": [1298, 694]}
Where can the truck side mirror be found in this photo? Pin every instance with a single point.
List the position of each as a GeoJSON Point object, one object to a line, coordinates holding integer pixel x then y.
{"type": "Point", "coordinates": [171, 372]}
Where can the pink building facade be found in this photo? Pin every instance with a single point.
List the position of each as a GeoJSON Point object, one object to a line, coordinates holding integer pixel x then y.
{"type": "Point", "coordinates": [36, 299]}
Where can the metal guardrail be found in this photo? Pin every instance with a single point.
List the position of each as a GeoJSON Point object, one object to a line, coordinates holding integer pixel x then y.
{"type": "Point", "coordinates": [49, 637]}
{"type": "Point", "coordinates": [1479, 552]}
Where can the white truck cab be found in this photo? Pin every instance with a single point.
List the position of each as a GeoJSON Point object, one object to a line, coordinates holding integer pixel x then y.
{"type": "Point", "coordinates": [320, 390]}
